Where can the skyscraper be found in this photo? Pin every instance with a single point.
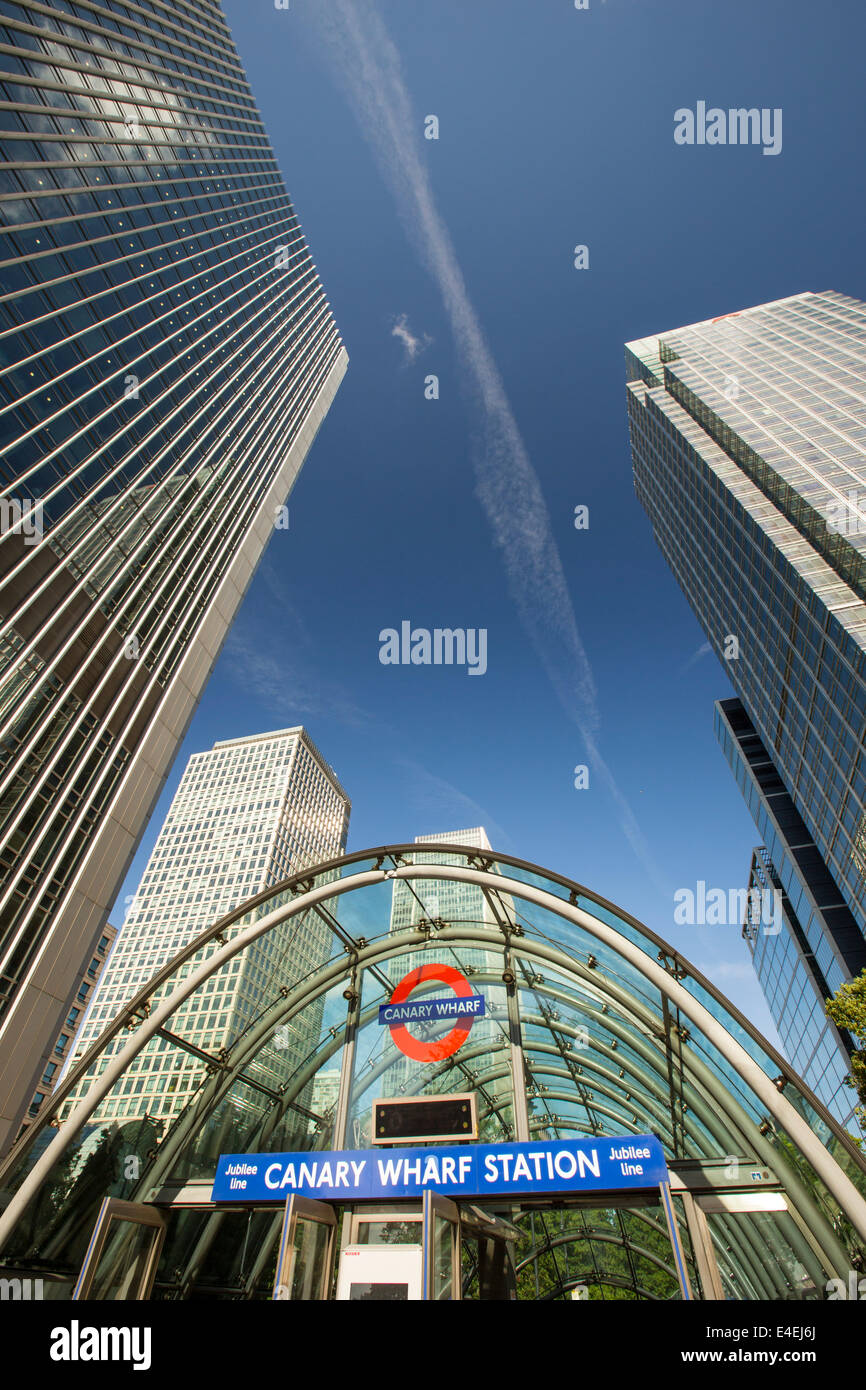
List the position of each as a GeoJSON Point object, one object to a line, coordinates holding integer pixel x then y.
{"type": "Point", "coordinates": [440, 897]}
{"type": "Point", "coordinates": [811, 947]}
{"type": "Point", "coordinates": [168, 356]}
{"type": "Point", "coordinates": [246, 815]}
{"type": "Point", "coordinates": [748, 437]}
{"type": "Point", "coordinates": [71, 1024]}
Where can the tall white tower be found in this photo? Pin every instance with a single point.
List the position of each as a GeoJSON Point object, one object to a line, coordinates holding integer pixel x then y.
{"type": "Point", "coordinates": [246, 815]}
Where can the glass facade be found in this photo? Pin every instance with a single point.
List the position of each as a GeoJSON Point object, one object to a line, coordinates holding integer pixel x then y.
{"type": "Point", "coordinates": [819, 945]}
{"type": "Point", "coordinates": [611, 1033]}
{"type": "Point", "coordinates": [748, 437]}
{"type": "Point", "coordinates": [167, 355]}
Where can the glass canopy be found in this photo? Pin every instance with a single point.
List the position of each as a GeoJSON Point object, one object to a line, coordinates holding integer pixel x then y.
{"type": "Point", "coordinates": [593, 1026]}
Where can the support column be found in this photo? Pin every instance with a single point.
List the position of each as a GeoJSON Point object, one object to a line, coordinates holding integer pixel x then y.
{"type": "Point", "coordinates": [702, 1245]}
{"type": "Point", "coordinates": [352, 993]}
{"type": "Point", "coordinates": [676, 1243]}
{"type": "Point", "coordinates": [515, 1039]}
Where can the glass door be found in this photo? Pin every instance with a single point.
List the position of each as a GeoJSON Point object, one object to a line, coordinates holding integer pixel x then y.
{"type": "Point", "coordinates": [381, 1255]}
{"type": "Point", "coordinates": [122, 1256]}
{"type": "Point", "coordinates": [305, 1251]}
{"type": "Point", "coordinates": [440, 1242]}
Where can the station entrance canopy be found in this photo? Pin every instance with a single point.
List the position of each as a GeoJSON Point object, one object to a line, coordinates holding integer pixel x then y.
{"type": "Point", "coordinates": [571, 1044]}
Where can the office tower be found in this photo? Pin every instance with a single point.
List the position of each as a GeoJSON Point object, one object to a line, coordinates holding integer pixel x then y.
{"type": "Point", "coordinates": [804, 953]}
{"type": "Point", "coordinates": [440, 898]}
{"type": "Point", "coordinates": [168, 356]}
{"type": "Point", "coordinates": [444, 900]}
{"type": "Point", "coordinates": [90, 978]}
{"type": "Point", "coordinates": [247, 814]}
{"type": "Point", "coordinates": [324, 1093]}
{"type": "Point", "coordinates": [748, 437]}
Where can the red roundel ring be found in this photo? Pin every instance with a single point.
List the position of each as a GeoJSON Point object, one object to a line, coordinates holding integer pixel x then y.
{"type": "Point", "coordinates": [442, 1047]}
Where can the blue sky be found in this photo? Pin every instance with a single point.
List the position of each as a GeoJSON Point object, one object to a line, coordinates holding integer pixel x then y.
{"type": "Point", "coordinates": [555, 129]}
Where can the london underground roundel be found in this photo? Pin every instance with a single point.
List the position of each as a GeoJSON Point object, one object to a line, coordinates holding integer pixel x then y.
{"type": "Point", "coordinates": [462, 1005]}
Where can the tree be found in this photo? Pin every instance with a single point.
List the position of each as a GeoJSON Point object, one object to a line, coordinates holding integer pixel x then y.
{"type": "Point", "coordinates": [847, 1009]}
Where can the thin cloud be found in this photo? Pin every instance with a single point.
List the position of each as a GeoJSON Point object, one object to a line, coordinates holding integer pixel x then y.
{"type": "Point", "coordinates": [703, 650]}
{"type": "Point", "coordinates": [292, 690]}
{"type": "Point", "coordinates": [444, 806]}
{"type": "Point", "coordinates": [413, 345]}
{"type": "Point", "coordinates": [730, 970]}
{"type": "Point", "coordinates": [367, 66]}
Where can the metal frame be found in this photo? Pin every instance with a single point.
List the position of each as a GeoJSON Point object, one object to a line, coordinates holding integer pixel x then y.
{"type": "Point", "coordinates": [676, 1243]}
{"type": "Point", "coordinates": [133, 1214]}
{"type": "Point", "coordinates": [363, 955]}
{"type": "Point", "coordinates": [702, 1245]}
{"type": "Point", "coordinates": [434, 1206]}
{"type": "Point", "coordinates": [302, 1209]}
{"type": "Point", "coordinates": [381, 1211]}
{"type": "Point", "coordinates": [299, 883]}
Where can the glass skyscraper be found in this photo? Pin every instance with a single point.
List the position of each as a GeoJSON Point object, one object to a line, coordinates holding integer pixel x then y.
{"type": "Point", "coordinates": [168, 355]}
{"type": "Point", "coordinates": [247, 815]}
{"type": "Point", "coordinates": [748, 437]}
{"type": "Point", "coordinates": [818, 943]}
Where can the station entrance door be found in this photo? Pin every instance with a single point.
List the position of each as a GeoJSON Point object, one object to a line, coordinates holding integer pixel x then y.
{"type": "Point", "coordinates": [403, 1252]}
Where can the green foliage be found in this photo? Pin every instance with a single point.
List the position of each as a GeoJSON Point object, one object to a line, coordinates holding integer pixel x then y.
{"type": "Point", "coordinates": [847, 1009]}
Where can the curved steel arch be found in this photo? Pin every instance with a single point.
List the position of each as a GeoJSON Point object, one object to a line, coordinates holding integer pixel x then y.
{"type": "Point", "coordinates": [590, 1277]}
{"type": "Point", "coordinates": [612, 1024]}
{"type": "Point", "coordinates": [365, 955]}
{"type": "Point", "coordinates": [603, 1238]}
{"type": "Point", "coordinates": [699, 1102]}
{"type": "Point", "coordinates": [620, 1238]}
{"type": "Point", "coordinates": [764, 1278]}
{"type": "Point", "coordinates": [401, 943]}
{"type": "Point", "coordinates": [300, 883]}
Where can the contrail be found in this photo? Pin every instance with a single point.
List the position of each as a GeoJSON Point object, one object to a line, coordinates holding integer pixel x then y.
{"type": "Point", "coordinates": [367, 66]}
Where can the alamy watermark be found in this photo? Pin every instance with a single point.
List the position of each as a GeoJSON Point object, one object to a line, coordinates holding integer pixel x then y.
{"type": "Point", "coordinates": [714, 907]}
{"type": "Point", "coordinates": [854, 1290]}
{"type": "Point", "coordinates": [77, 1343]}
{"type": "Point", "coordinates": [443, 646]}
{"type": "Point", "coordinates": [23, 1290]}
{"type": "Point", "coordinates": [848, 518]}
{"type": "Point", "coordinates": [22, 515]}
{"type": "Point", "coordinates": [736, 126]}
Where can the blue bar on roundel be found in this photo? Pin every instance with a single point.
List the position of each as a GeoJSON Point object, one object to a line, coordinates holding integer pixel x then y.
{"type": "Point", "coordinates": [432, 1010]}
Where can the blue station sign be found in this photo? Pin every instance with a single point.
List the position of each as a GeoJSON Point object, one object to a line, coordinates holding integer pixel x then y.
{"type": "Point", "coordinates": [432, 1010]}
{"type": "Point", "coordinates": [460, 1170]}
